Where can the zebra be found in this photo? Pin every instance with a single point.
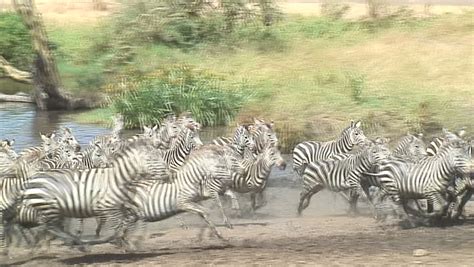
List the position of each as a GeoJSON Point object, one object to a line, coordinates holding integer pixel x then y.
{"type": "Point", "coordinates": [86, 193]}
{"type": "Point", "coordinates": [46, 150]}
{"type": "Point", "coordinates": [411, 147]}
{"type": "Point", "coordinates": [186, 142]}
{"type": "Point", "coordinates": [256, 173]}
{"type": "Point", "coordinates": [241, 140]}
{"type": "Point", "coordinates": [7, 150]}
{"type": "Point", "coordinates": [310, 151]}
{"type": "Point", "coordinates": [437, 142]}
{"type": "Point", "coordinates": [67, 138]}
{"type": "Point", "coordinates": [428, 179]}
{"type": "Point", "coordinates": [339, 175]}
{"type": "Point", "coordinates": [206, 174]}
{"type": "Point", "coordinates": [12, 183]}
{"type": "Point", "coordinates": [112, 138]}
{"type": "Point", "coordinates": [263, 134]}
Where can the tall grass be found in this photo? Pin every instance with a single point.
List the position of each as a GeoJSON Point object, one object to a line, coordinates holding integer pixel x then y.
{"type": "Point", "coordinates": [181, 89]}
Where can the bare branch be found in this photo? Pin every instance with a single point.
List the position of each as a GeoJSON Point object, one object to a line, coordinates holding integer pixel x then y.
{"type": "Point", "coordinates": [14, 73]}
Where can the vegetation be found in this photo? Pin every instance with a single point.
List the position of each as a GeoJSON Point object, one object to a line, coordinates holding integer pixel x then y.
{"type": "Point", "coordinates": [311, 75]}
{"type": "Point", "coordinates": [15, 44]}
{"type": "Point", "coordinates": [176, 90]}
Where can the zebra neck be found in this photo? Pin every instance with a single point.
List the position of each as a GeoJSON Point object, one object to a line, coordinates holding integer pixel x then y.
{"type": "Point", "coordinates": [258, 171]}
{"type": "Point", "coordinates": [343, 144]}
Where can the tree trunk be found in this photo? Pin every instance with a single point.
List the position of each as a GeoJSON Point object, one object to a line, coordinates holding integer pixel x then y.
{"type": "Point", "coordinates": [49, 94]}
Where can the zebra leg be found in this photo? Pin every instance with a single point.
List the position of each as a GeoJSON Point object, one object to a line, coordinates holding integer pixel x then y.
{"type": "Point", "coordinates": [217, 199]}
{"type": "Point", "coordinates": [260, 200]}
{"type": "Point", "coordinates": [460, 207]}
{"type": "Point", "coordinates": [354, 196]}
{"type": "Point", "coordinates": [187, 205]}
{"type": "Point", "coordinates": [305, 197]}
{"type": "Point", "coordinates": [3, 244]}
{"type": "Point", "coordinates": [234, 200]}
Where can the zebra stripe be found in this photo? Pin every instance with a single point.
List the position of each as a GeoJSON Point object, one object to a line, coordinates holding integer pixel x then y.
{"type": "Point", "coordinates": [310, 151]}
{"type": "Point", "coordinates": [182, 147]}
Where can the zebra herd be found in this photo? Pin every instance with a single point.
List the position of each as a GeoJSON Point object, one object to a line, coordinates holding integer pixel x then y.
{"type": "Point", "coordinates": [152, 176]}
{"type": "Point", "coordinates": [441, 174]}
{"type": "Point", "coordinates": [167, 170]}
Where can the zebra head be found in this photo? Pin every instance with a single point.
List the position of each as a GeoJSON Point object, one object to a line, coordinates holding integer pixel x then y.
{"type": "Point", "coordinates": [411, 146]}
{"type": "Point", "coordinates": [99, 155]}
{"type": "Point", "coordinates": [377, 150]}
{"type": "Point", "coordinates": [243, 137]}
{"type": "Point", "coordinates": [49, 144]}
{"type": "Point", "coordinates": [6, 147]}
{"type": "Point", "coordinates": [185, 120]}
{"type": "Point", "coordinates": [264, 134]}
{"type": "Point", "coordinates": [68, 139]}
{"type": "Point", "coordinates": [459, 154]}
{"type": "Point", "coordinates": [192, 138]}
{"type": "Point", "coordinates": [355, 134]}
{"type": "Point", "coordinates": [272, 156]}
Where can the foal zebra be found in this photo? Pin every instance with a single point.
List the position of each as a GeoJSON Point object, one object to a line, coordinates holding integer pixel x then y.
{"type": "Point", "coordinates": [310, 151]}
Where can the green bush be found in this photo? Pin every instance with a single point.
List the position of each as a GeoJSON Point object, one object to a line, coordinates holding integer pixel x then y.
{"type": "Point", "coordinates": [177, 90]}
{"type": "Point", "coordinates": [15, 42]}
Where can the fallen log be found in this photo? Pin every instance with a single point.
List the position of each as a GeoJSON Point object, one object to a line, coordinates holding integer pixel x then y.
{"type": "Point", "coordinates": [22, 98]}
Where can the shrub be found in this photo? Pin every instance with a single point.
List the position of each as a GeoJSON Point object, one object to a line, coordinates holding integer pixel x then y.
{"type": "Point", "coordinates": [177, 90]}
{"type": "Point", "coordinates": [15, 42]}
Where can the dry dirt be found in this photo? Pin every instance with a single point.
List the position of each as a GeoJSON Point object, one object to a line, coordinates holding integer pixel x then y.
{"type": "Point", "coordinates": [324, 235]}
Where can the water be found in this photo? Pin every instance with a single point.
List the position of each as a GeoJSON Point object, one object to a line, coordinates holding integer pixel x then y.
{"type": "Point", "coordinates": [23, 123]}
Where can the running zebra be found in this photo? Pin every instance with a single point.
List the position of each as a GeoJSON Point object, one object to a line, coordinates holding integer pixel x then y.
{"type": "Point", "coordinates": [311, 151]}
{"type": "Point", "coordinates": [48, 147]}
{"type": "Point", "coordinates": [86, 193]}
{"type": "Point", "coordinates": [241, 140]}
{"type": "Point", "coordinates": [206, 174]}
{"type": "Point", "coordinates": [410, 147]}
{"type": "Point", "coordinates": [428, 179]}
{"type": "Point", "coordinates": [12, 184]}
{"type": "Point", "coordinates": [185, 143]}
{"type": "Point", "coordinates": [256, 173]}
{"type": "Point", "coordinates": [339, 175]}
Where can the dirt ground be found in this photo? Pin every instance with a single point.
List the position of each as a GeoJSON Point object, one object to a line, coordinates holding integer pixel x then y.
{"type": "Point", "coordinates": [324, 235]}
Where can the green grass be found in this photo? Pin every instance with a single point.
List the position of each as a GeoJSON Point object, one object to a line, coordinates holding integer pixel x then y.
{"type": "Point", "coordinates": [313, 75]}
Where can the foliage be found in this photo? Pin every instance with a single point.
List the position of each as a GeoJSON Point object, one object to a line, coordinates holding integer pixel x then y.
{"type": "Point", "coordinates": [179, 89]}
{"type": "Point", "coordinates": [15, 42]}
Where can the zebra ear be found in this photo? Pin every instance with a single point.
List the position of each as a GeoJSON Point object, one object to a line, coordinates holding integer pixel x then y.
{"type": "Point", "coordinates": [11, 142]}
{"type": "Point", "coordinates": [3, 143]}
{"type": "Point", "coordinates": [66, 129]}
{"type": "Point", "coordinates": [271, 124]}
{"type": "Point", "coordinates": [155, 127]}
{"type": "Point", "coordinates": [352, 123]}
{"type": "Point", "coordinates": [461, 133]}
{"type": "Point", "coordinates": [357, 124]}
{"type": "Point", "coordinates": [420, 135]}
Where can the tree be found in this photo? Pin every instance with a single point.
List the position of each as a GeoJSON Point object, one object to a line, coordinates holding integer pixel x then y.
{"type": "Point", "coordinates": [48, 93]}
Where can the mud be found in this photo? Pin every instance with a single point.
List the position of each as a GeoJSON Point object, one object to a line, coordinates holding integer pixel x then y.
{"type": "Point", "coordinates": [323, 235]}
